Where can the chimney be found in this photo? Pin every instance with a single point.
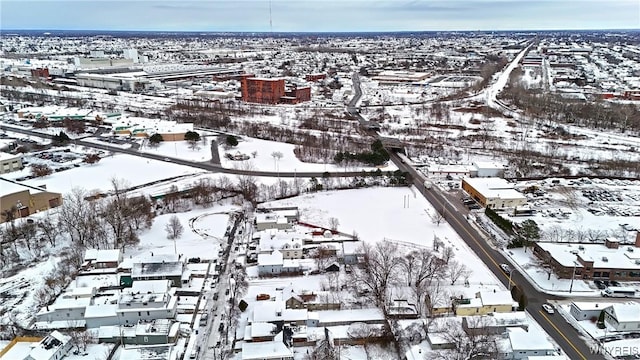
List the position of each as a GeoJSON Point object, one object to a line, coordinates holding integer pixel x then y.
{"type": "Point", "coordinates": [612, 243]}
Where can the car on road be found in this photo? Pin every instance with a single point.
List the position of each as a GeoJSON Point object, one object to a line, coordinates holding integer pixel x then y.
{"type": "Point", "coordinates": [506, 268]}
{"type": "Point", "coordinates": [548, 308]}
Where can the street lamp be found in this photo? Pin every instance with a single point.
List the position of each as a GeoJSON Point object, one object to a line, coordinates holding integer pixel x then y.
{"type": "Point", "coordinates": [573, 275]}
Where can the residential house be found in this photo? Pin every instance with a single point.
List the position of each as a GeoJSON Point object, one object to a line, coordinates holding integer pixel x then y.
{"type": "Point", "coordinates": [352, 252]}
{"type": "Point", "coordinates": [264, 221]}
{"type": "Point", "coordinates": [521, 344]}
{"type": "Point", "coordinates": [288, 243]}
{"type": "Point", "coordinates": [270, 264]}
{"type": "Point", "coordinates": [102, 259]}
{"type": "Point", "coordinates": [585, 310]}
{"type": "Point", "coordinates": [147, 300]}
{"type": "Point", "coordinates": [485, 302]}
{"type": "Point", "coordinates": [155, 332]}
{"type": "Point", "coordinates": [54, 346]}
{"type": "Point", "coordinates": [440, 341]}
{"type": "Point", "coordinates": [268, 350]}
{"type": "Point", "coordinates": [306, 300]}
{"type": "Point", "coordinates": [276, 312]}
{"type": "Point", "coordinates": [623, 316]}
{"type": "Point", "coordinates": [260, 332]}
{"type": "Point", "coordinates": [159, 267]}
{"type": "Point", "coordinates": [68, 310]}
{"type": "Point", "coordinates": [494, 323]}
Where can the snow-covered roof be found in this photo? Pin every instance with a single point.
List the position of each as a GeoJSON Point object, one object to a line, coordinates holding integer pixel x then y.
{"type": "Point", "coordinates": [487, 165]}
{"type": "Point", "coordinates": [494, 188]}
{"type": "Point", "coordinates": [262, 329]}
{"type": "Point", "coordinates": [6, 156]}
{"type": "Point", "coordinates": [522, 340]}
{"type": "Point", "coordinates": [49, 346]}
{"type": "Point", "coordinates": [353, 315]}
{"type": "Point", "coordinates": [157, 266]}
{"type": "Point", "coordinates": [100, 311]}
{"type": "Point", "coordinates": [150, 286]}
{"type": "Point", "coordinates": [266, 350]}
{"type": "Point", "coordinates": [267, 311]}
{"type": "Point", "coordinates": [276, 240]}
{"type": "Point", "coordinates": [586, 306]}
{"type": "Point", "coordinates": [627, 312]}
{"type": "Point", "coordinates": [602, 256]}
{"type": "Point", "coordinates": [496, 297]}
{"type": "Point", "coordinates": [102, 255]}
{"type": "Point", "coordinates": [275, 258]}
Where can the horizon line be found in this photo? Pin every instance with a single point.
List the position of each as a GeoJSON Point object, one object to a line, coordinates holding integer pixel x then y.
{"type": "Point", "coordinates": [320, 31]}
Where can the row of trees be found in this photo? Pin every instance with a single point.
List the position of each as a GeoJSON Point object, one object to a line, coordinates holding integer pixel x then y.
{"type": "Point", "coordinates": [377, 156]}
{"type": "Point", "coordinates": [423, 272]}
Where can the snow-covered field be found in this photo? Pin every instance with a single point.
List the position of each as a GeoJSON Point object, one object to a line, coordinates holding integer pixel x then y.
{"type": "Point", "coordinates": [203, 234]}
{"type": "Point", "coordinates": [134, 170]}
{"type": "Point", "coordinates": [265, 161]}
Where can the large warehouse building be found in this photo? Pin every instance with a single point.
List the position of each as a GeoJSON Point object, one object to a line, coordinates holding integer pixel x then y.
{"type": "Point", "coordinates": [494, 193]}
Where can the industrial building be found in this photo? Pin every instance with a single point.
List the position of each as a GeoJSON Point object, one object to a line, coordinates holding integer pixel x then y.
{"type": "Point", "coordinates": [10, 162]}
{"type": "Point", "coordinates": [494, 193]}
{"type": "Point", "coordinates": [25, 199]}
{"type": "Point", "coordinates": [608, 261]}
{"type": "Point", "coordinates": [271, 91]}
{"type": "Point", "coordinates": [143, 127]}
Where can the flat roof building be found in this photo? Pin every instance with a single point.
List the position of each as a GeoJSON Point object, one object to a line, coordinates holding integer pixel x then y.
{"type": "Point", "coordinates": [493, 192]}
{"type": "Point", "coordinates": [609, 261]}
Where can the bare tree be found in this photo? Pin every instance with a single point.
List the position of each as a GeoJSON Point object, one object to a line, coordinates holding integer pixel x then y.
{"type": "Point", "coordinates": [334, 223]}
{"type": "Point", "coordinates": [247, 182]}
{"type": "Point", "coordinates": [456, 270]}
{"type": "Point", "coordinates": [378, 271]}
{"type": "Point", "coordinates": [277, 156]}
{"type": "Point", "coordinates": [174, 228]}
{"type": "Point", "coordinates": [421, 268]}
{"type": "Point", "coordinates": [193, 145]}
{"type": "Point", "coordinates": [467, 345]}
{"type": "Point", "coordinates": [49, 229]}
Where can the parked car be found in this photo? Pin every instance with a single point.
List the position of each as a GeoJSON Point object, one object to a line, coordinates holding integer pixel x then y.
{"type": "Point", "coordinates": [263, 297]}
{"type": "Point", "coordinates": [548, 308]}
{"type": "Point", "coordinates": [506, 268]}
{"type": "Point", "coordinates": [599, 284]}
{"type": "Point", "coordinates": [614, 283]}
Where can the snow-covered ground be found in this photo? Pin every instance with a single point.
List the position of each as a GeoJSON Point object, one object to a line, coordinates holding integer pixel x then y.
{"type": "Point", "coordinates": [180, 150]}
{"type": "Point", "coordinates": [203, 234]}
{"type": "Point", "coordinates": [264, 159]}
{"type": "Point", "coordinates": [135, 170]}
{"type": "Point", "coordinates": [528, 264]}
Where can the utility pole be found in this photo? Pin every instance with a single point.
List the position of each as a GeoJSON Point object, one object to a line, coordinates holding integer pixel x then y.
{"type": "Point", "coordinates": [573, 275]}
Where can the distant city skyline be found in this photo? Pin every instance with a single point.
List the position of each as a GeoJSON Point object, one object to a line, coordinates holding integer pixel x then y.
{"type": "Point", "coordinates": [319, 15]}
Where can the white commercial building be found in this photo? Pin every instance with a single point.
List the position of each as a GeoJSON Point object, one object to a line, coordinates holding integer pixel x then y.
{"type": "Point", "coordinates": [492, 192]}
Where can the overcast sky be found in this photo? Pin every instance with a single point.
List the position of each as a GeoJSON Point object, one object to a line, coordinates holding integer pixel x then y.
{"type": "Point", "coordinates": [319, 15]}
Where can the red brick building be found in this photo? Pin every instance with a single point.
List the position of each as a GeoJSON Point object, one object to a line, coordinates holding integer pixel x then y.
{"type": "Point", "coordinates": [40, 72]}
{"type": "Point", "coordinates": [315, 77]}
{"type": "Point", "coordinates": [271, 91]}
{"type": "Point", "coordinates": [262, 91]}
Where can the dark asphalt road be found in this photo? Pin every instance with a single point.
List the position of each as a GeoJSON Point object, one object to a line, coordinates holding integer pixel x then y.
{"type": "Point", "coordinates": [562, 332]}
